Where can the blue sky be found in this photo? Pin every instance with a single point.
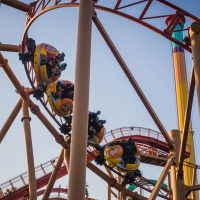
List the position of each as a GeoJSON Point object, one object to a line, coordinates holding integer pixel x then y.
{"type": "Point", "coordinates": [147, 54]}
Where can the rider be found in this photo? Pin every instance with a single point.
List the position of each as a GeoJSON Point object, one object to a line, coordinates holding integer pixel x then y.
{"type": "Point", "coordinates": [54, 68]}
{"type": "Point", "coordinates": [64, 89]}
{"type": "Point", "coordinates": [129, 151]}
{"type": "Point", "coordinates": [94, 124]}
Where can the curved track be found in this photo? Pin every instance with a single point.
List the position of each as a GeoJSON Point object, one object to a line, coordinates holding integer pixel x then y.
{"type": "Point", "coordinates": [125, 10]}
{"type": "Point", "coordinates": [150, 143]}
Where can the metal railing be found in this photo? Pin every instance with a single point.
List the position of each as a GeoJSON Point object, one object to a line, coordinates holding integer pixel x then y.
{"type": "Point", "coordinates": [22, 180]}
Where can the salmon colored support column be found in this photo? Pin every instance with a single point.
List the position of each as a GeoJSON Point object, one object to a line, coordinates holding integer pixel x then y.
{"type": "Point", "coordinates": [119, 180]}
{"type": "Point", "coordinates": [29, 152]}
{"type": "Point", "coordinates": [195, 42]}
{"type": "Point", "coordinates": [181, 84]}
{"type": "Point", "coordinates": [109, 193]}
{"type": "Point", "coordinates": [177, 184]}
{"type": "Point", "coordinates": [67, 153]}
{"type": "Point", "coordinates": [77, 168]}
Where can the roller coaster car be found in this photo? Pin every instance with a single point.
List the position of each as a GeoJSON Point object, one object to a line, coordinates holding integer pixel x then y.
{"type": "Point", "coordinates": [60, 97]}
{"type": "Point", "coordinates": [123, 155]}
{"type": "Point", "coordinates": [96, 129]}
{"type": "Point", "coordinates": [47, 64]}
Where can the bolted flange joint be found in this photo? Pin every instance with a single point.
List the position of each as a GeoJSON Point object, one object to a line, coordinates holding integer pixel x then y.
{"type": "Point", "coordinates": [23, 118]}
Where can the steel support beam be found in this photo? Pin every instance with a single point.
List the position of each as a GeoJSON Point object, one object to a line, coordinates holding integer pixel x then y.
{"type": "Point", "coordinates": [186, 123]}
{"type": "Point", "coordinates": [17, 4]}
{"type": "Point", "coordinates": [194, 182]}
{"type": "Point", "coordinates": [195, 43]}
{"type": "Point", "coordinates": [161, 179]}
{"type": "Point", "coordinates": [119, 180]}
{"type": "Point", "coordinates": [10, 47]}
{"type": "Point", "coordinates": [132, 80]}
{"type": "Point", "coordinates": [177, 180]}
{"type": "Point", "coordinates": [117, 4]}
{"type": "Point", "coordinates": [169, 184]}
{"type": "Point", "coordinates": [53, 176]}
{"type": "Point", "coordinates": [29, 152]}
{"type": "Point", "coordinates": [67, 152]}
{"type": "Point", "coordinates": [78, 151]}
{"type": "Point", "coordinates": [10, 119]}
{"type": "Point", "coordinates": [109, 193]}
{"type": "Point", "coordinates": [191, 188]}
{"type": "Point", "coordinates": [145, 9]}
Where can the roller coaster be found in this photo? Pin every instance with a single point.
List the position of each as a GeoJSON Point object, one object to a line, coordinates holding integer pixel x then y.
{"type": "Point", "coordinates": [120, 150]}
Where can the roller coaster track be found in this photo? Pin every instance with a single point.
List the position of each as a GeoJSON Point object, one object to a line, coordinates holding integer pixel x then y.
{"type": "Point", "coordinates": [150, 143]}
{"type": "Point", "coordinates": [123, 9]}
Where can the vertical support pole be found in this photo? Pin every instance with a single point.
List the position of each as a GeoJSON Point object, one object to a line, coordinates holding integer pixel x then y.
{"type": "Point", "coordinates": [29, 152]}
{"type": "Point", "coordinates": [123, 197]}
{"type": "Point", "coordinates": [194, 180]}
{"type": "Point", "coordinates": [53, 176]}
{"type": "Point", "coordinates": [169, 183]}
{"type": "Point", "coordinates": [109, 193]}
{"type": "Point", "coordinates": [77, 169]}
{"type": "Point", "coordinates": [67, 158]}
{"type": "Point", "coordinates": [119, 193]}
{"type": "Point", "coordinates": [176, 181]}
{"type": "Point", "coordinates": [67, 153]}
{"type": "Point", "coordinates": [181, 85]}
{"type": "Point", "coordinates": [195, 42]}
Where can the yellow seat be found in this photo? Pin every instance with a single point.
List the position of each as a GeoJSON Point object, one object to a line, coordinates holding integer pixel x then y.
{"type": "Point", "coordinates": [113, 155]}
{"type": "Point", "coordinates": [42, 53]}
{"type": "Point", "coordinates": [61, 106]}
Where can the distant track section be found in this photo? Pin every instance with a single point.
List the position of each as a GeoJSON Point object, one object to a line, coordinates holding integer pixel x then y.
{"type": "Point", "coordinates": [151, 144]}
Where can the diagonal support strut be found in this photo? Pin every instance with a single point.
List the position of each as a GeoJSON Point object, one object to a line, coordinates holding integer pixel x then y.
{"type": "Point", "coordinates": [132, 80]}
